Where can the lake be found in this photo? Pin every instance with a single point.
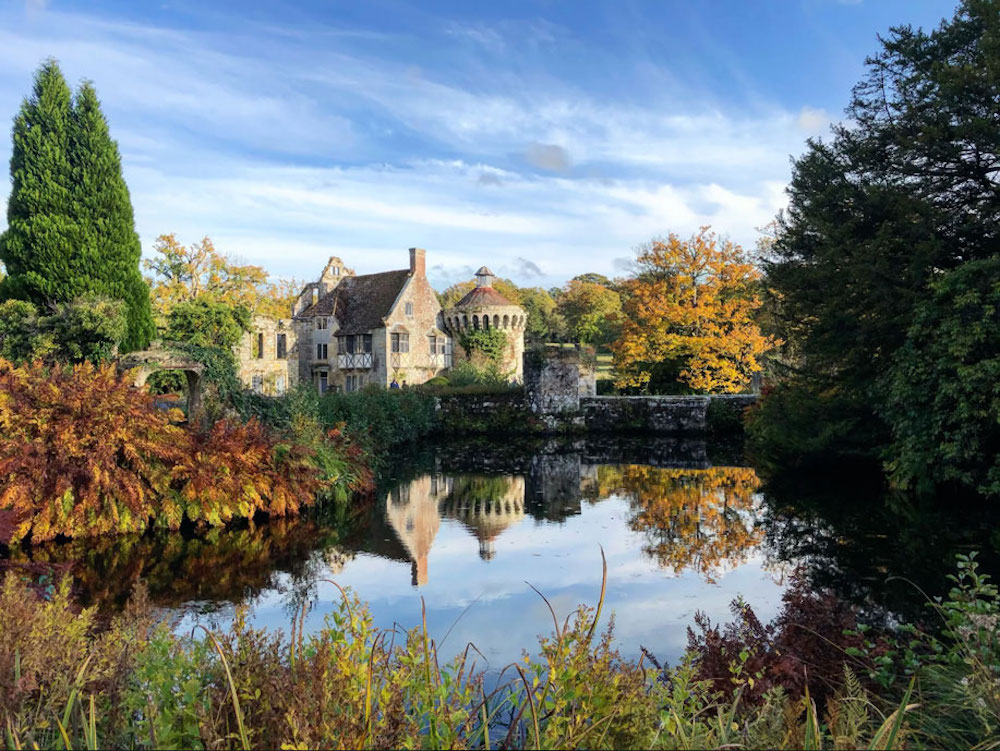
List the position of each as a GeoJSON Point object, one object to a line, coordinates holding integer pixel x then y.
{"type": "Point", "coordinates": [469, 530]}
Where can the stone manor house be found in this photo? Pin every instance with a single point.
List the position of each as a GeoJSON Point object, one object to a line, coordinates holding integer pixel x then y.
{"type": "Point", "coordinates": [348, 330]}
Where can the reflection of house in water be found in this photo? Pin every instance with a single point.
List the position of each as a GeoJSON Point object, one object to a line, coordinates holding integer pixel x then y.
{"type": "Point", "coordinates": [412, 511]}
{"type": "Point", "coordinates": [486, 506]}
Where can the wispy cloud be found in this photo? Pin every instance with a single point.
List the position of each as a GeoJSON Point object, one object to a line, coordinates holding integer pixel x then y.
{"type": "Point", "coordinates": [287, 144]}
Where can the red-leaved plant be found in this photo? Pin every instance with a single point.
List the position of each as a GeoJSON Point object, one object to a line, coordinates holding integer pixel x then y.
{"type": "Point", "coordinates": [83, 452]}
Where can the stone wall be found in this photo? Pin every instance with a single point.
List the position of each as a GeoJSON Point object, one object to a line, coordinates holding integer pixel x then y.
{"type": "Point", "coordinates": [555, 380]}
{"type": "Point", "coordinates": [263, 369]}
{"type": "Point", "coordinates": [503, 412]}
{"type": "Point", "coordinates": [664, 414]}
{"type": "Point", "coordinates": [514, 412]}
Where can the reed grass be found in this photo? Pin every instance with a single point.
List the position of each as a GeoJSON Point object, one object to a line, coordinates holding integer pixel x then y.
{"type": "Point", "coordinates": [351, 684]}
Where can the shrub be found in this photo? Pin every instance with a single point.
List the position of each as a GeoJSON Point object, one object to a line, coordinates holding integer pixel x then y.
{"type": "Point", "coordinates": [473, 372]}
{"type": "Point", "coordinates": [84, 453]}
{"type": "Point", "coordinates": [55, 658]}
{"type": "Point", "coordinates": [238, 470]}
{"type": "Point", "coordinates": [84, 329]}
{"type": "Point", "coordinates": [379, 418]}
{"type": "Point", "coordinates": [802, 651]}
{"type": "Point", "coordinates": [81, 450]}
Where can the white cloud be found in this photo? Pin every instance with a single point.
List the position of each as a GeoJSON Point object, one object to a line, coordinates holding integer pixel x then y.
{"type": "Point", "coordinates": [303, 145]}
{"type": "Point", "coordinates": [813, 120]}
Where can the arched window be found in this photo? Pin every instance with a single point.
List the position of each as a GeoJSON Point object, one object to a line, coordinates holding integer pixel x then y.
{"type": "Point", "coordinates": [506, 321]}
{"type": "Point", "coordinates": [486, 322]}
{"type": "Point", "coordinates": [475, 322]}
{"type": "Point", "coordinates": [496, 321]}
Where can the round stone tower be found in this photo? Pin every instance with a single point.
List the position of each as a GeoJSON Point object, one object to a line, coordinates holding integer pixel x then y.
{"type": "Point", "coordinates": [483, 309]}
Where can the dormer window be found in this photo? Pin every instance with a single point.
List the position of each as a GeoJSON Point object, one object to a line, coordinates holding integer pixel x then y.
{"type": "Point", "coordinates": [321, 323]}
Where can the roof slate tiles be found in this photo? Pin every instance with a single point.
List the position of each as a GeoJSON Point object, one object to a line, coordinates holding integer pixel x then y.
{"type": "Point", "coordinates": [360, 303]}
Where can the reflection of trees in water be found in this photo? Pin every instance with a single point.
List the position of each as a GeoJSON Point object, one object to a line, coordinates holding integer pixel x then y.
{"type": "Point", "coordinates": [699, 519]}
{"type": "Point", "coordinates": [228, 565]}
{"type": "Point", "coordinates": [874, 549]}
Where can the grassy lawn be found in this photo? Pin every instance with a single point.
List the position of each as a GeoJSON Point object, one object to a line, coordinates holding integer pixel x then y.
{"type": "Point", "coordinates": [604, 366]}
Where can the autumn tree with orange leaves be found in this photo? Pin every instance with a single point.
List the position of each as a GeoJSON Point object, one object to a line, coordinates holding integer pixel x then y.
{"type": "Point", "coordinates": [692, 301]}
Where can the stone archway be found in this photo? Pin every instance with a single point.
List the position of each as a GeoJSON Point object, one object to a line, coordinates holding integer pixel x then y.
{"type": "Point", "coordinates": [150, 361]}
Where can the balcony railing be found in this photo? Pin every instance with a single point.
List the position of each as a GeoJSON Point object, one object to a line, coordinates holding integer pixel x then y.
{"type": "Point", "coordinates": [360, 361]}
{"type": "Point", "coordinates": [398, 359]}
{"type": "Point", "coordinates": [441, 361]}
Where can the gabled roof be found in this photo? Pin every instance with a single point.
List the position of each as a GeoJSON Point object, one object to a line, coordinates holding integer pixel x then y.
{"type": "Point", "coordinates": [359, 303]}
{"type": "Point", "coordinates": [482, 296]}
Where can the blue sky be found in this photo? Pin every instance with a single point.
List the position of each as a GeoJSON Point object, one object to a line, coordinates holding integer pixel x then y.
{"type": "Point", "coordinates": [542, 138]}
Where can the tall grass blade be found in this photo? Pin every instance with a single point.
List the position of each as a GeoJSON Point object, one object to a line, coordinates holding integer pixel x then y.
{"type": "Point", "coordinates": [600, 600]}
{"type": "Point", "coordinates": [486, 720]}
{"type": "Point", "coordinates": [65, 736]}
{"type": "Point", "coordinates": [12, 740]}
{"type": "Point", "coordinates": [75, 692]}
{"type": "Point", "coordinates": [894, 722]}
{"type": "Point", "coordinates": [244, 739]}
{"type": "Point", "coordinates": [531, 704]}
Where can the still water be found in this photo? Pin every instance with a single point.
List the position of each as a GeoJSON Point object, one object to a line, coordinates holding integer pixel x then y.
{"type": "Point", "coordinates": [466, 530]}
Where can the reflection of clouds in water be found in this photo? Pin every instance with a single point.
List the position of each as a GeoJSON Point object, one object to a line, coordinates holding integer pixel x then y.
{"type": "Point", "coordinates": [676, 541]}
{"type": "Point", "coordinates": [652, 607]}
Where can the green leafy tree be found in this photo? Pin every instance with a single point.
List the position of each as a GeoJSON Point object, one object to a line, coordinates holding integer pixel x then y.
{"type": "Point", "coordinates": [903, 191]}
{"type": "Point", "coordinates": [592, 311]}
{"type": "Point", "coordinates": [592, 278]}
{"type": "Point", "coordinates": [544, 319]}
{"type": "Point", "coordinates": [942, 401]}
{"type": "Point", "coordinates": [70, 227]}
{"type": "Point", "coordinates": [206, 323]}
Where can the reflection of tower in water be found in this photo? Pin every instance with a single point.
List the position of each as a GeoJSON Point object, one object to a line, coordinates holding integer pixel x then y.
{"type": "Point", "coordinates": [486, 505]}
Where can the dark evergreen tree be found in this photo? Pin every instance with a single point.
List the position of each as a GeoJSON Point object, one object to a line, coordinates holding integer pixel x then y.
{"type": "Point", "coordinates": [70, 228]}
{"type": "Point", "coordinates": [109, 250]}
{"type": "Point", "coordinates": [41, 237]}
{"type": "Point", "coordinates": [908, 188]}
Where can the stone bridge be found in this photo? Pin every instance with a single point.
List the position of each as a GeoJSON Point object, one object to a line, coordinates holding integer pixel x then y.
{"type": "Point", "coordinates": [149, 361]}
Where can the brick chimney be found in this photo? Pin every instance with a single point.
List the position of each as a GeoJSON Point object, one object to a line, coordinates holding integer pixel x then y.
{"type": "Point", "coordinates": [418, 262]}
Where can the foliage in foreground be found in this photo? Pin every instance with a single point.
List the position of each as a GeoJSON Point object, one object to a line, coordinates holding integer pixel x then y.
{"type": "Point", "coordinates": [131, 683]}
{"type": "Point", "coordinates": [82, 452]}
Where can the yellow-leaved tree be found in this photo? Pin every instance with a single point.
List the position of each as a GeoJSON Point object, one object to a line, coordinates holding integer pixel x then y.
{"type": "Point", "coordinates": [692, 302]}
{"type": "Point", "coordinates": [183, 273]}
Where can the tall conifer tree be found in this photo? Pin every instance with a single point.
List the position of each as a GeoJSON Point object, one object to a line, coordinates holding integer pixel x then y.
{"type": "Point", "coordinates": [109, 246]}
{"type": "Point", "coordinates": [70, 228]}
{"type": "Point", "coordinates": [41, 236]}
